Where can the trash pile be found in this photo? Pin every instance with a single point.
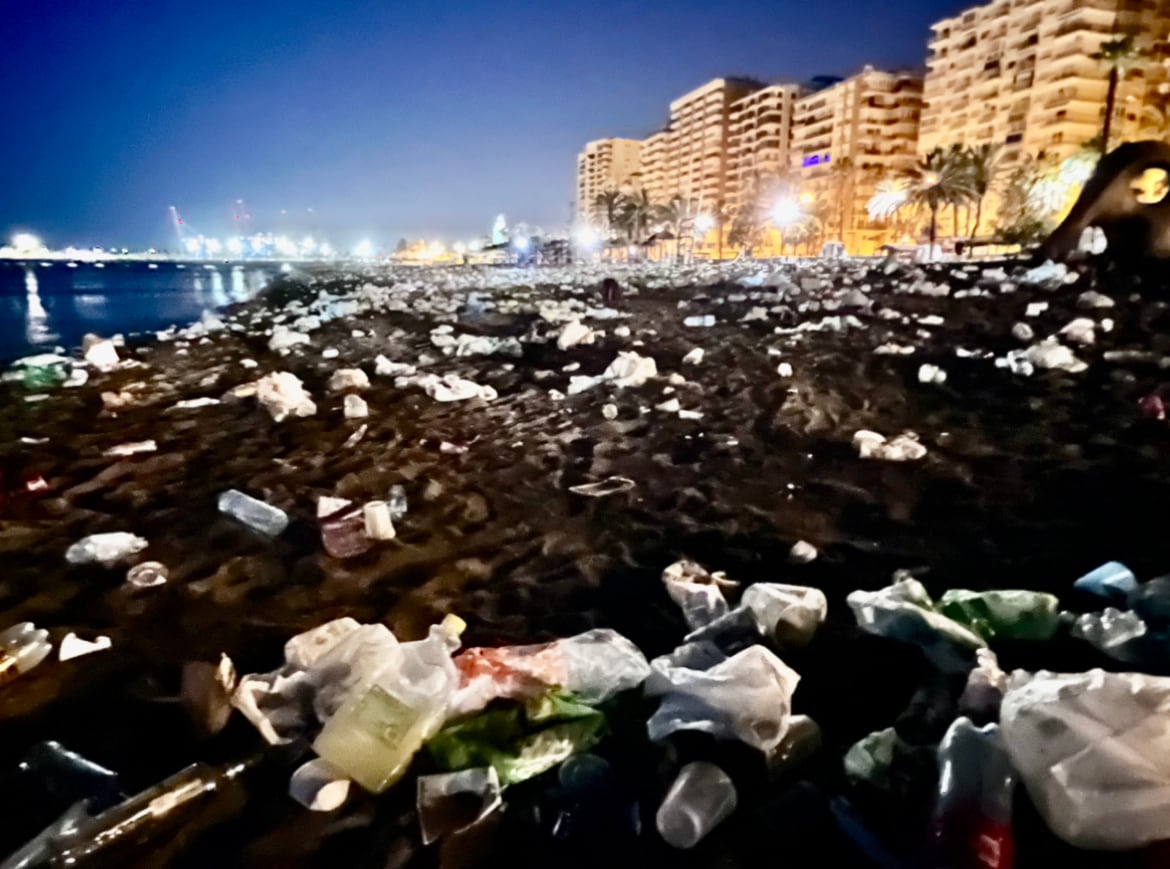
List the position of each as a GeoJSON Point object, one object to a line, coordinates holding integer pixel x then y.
{"type": "Point", "coordinates": [353, 707]}
{"type": "Point", "coordinates": [263, 533]}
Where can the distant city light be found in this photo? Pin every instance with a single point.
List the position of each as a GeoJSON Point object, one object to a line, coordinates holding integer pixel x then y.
{"type": "Point", "coordinates": [26, 242]}
{"type": "Point", "coordinates": [308, 245]}
{"type": "Point", "coordinates": [363, 249]}
{"type": "Point", "coordinates": [459, 247]}
{"type": "Point", "coordinates": [284, 246]}
{"type": "Point", "coordinates": [192, 245]}
{"type": "Point", "coordinates": [235, 246]}
{"type": "Point", "coordinates": [212, 246]}
{"type": "Point", "coordinates": [326, 249]}
{"type": "Point", "coordinates": [807, 198]}
{"type": "Point", "coordinates": [786, 211]}
{"type": "Point", "coordinates": [521, 243]}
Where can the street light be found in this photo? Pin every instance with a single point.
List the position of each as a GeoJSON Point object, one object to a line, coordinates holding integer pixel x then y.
{"type": "Point", "coordinates": [704, 223]}
{"type": "Point", "coordinates": [26, 242]}
{"type": "Point", "coordinates": [363, 249]}
{"type": "Point", "coordinates": [786, 211]}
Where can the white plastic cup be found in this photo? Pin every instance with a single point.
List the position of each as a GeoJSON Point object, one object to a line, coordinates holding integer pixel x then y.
{"type": "Point", "coordinates": [700, 799]}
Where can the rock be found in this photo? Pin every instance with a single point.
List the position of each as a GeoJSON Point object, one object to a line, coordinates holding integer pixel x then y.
{"type": "Point", "coordinates": [629, 369]}
{"type": "Point", "coordinates": [284, 339]}
{"type": "Point", "coordinates": [694, 356]}
{"type": "Point", "coordinates": [931, 374]}
{"type": "Point", "coordinates": [1050, 353]}
{"type": "Point", "coordinates": [802, 552]}
{"type": "Point", "coordinates": [609, 411]}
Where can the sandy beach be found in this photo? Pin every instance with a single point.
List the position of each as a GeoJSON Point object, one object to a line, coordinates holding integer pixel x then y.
{"type": "Point", "coordinates": [1028, 481]}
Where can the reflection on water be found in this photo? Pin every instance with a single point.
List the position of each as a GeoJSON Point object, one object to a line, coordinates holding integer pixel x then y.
{"type": "Point", "coordinates": [49, 303]}
{"type": "Point", "coordinates": [36, 329]}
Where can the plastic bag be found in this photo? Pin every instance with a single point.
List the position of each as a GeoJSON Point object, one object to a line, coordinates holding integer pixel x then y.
{"type": "Point", "coordinates": [904, 611]}
{"type": "Point", "coordinates": [1094, 751]}
{"type": "Point", "coordinates": [520, 742]}
{"type": "Point", "coordinates": [592, 666]}
{"type": "Point", "coordinates": [746, 697]}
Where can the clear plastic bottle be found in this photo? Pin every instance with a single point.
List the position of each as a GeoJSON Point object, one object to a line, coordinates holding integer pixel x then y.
{"type": "Point", "coordinates": [701, 798]}
{"type": "Point", "coordinates": [256, 514]}
{"type": "Point", "coordinates": [397, 502]}
{"type": "Point", "coordinates": [375, 734]}
{"type": "Point", "coordinates": [973, 814]}
{"type": "Point", "coordinates": [22, 647]}
{"type": "Point", "coordinates": [149, 822]}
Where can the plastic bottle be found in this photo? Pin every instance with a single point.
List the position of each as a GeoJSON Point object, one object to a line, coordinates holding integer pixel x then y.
{"type": "Point", "coordinates": [1013, 614]}
{"type": "Point", "coordinates": [397, 502]}
{"type": "Point", "coordinates": [22, 647]}
{"type": "Point", "coordinates": [375, 734]}
{"type": "Point", "coordinates": [264, 518]}
{"type": "Point", "coordinates": [701, 798]}
{"type": "Point", "coordinates": [1120, 635]}
{"type": "Point", "coordinates": [1112, 581]}
{"type": "Point", "coordinates": [194, 798]}
{"type": "Point", "coordinates": [68, 776]}
{"type": "Point", "coordinates": [973, 814]}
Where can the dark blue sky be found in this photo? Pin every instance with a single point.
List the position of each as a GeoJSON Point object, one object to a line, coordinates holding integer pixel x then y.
{"type": "Point", "coordinates": [388, 119]}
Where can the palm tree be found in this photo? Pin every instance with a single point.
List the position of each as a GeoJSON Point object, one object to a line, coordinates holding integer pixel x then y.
{"type": "Point", "coordinates": [939, 179]}
{"type": "Point", "coordinates": [1120, 55]}
{"type": "Point", "coordinates": [635, 213]}
{"type": "Point", "coordinates": [674, 214]}
{"type": "Point", "coordinates": [841, 174]}
{"type": "Point", "coordinates": [609, 204]}
{"type": "Point", "coordinates": [983, 171]}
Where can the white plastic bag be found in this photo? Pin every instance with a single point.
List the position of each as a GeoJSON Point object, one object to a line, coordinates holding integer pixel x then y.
{"type": "Point", "coordinates": [746, 697]}
{"type": "Point", "coordinates": [1094, 751]}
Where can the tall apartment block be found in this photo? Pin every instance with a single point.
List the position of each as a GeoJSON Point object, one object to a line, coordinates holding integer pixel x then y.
{"type": "Point", "coordinates": [654, 177]}
{"type": "Point", "coordinates": [1021, 74]}
{"type": "Point", "coordinates": [847, 138]}
{"type": "Point", "coordinates": [607, 164]}
{"type": "Point", "coordinates": [698, 142]}
{"type": "Point", "coordinates": [760, 138]}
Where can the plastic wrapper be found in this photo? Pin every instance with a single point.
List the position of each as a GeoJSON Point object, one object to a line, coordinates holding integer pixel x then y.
{"type": "Point", "coordinates": [592, 666]}
{"type": "Point", "coordinates": [521, 741]}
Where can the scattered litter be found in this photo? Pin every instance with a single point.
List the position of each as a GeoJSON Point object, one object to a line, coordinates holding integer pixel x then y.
{"type": "Point", "coordinates": [903, 448]}
{"type": "Point", "coordinates": [148, 574]}
{"type": "Point", "coordinates": [74, 647]}
{"type": "Point", "coordinates": [931, 374]}
{"type": "Point", "coordinates": [356, 407]}
{"type": "Point", "coordinates": [105, 549]}
{"type": "Point", "coordinates": [694, 356]}
{"type": "Point", "coordinates": [608, 486]}
{"type": "Point", "coordinates": [131, 449]}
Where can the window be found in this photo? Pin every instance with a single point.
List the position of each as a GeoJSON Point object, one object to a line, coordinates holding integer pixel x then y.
{"type": "Point", "coordinates": [1057, 138]}
{"type": "Point", "coordinates": [1014, 138]}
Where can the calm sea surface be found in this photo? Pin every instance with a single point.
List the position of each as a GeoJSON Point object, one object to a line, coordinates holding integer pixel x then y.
{"type": "Point", "coordinates": [49, 304]}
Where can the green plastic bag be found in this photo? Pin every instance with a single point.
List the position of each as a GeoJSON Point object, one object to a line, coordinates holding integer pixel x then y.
{"type": "Point", "coordinates": [520, 742]}
{"type": "Point", "coordinates": [41, 378]}
{"type": "Point", "coordinates": [1011, 614]}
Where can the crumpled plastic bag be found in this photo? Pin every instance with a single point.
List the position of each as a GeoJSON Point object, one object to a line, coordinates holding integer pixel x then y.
{"type": "Point", "coordinates": [746, 697]}
{"type": "Point", "coordinates": [788, 614]}
{"type": "Point", "coordinates": [520, 742]}
{"type": "Point", "coordinates": [904, 611]}
{"type": "Point", "coordinates": [1094, 751]}
{"type": "Point", "coordinates": [592, 666]}
{"type": "Point", "coordinates": [697, 592]}
{"type": "Point", "coordinates": [282, 394]}
{"type": "Point", "coordinates": [106, 549]}
{"type": "Point", "coordinates": [630, 369]}
{"type": "Point", "coordinates": [452, 801]}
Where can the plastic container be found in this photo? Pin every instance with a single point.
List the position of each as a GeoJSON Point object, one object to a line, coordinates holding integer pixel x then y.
{"type": "Point", "coordinates": [257, 515]}
{"type": "Point", "coordinates": [701, 798]}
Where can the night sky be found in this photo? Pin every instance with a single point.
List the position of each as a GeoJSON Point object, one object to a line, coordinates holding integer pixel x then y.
{"type": "Point", "coordinates": [387, 119]}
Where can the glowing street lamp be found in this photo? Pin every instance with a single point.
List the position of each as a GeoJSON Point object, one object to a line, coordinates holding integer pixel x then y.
{"type": "Point", "coordinates": [235, 246]}
{"type": "Point", "coordinates": [586, 236]}
{"type": "Point", "coordinates": [807, 198]}
{"type": "Point", "coordinates": [521, 244]}
{"type": "Point", "coordinates": [213, 246]}
{"type": "Point", "coordinates": [459, 248]}
{"type": "Point", "coordinates": [786, 211]}
{"type": "Point", "coordinates": [363, 249]}
{"type": "Point", "coordinates": [192, 245]}
{"type": "Point", "coordinates": [308, 245]}
{"type": "Point", "coordinates": [326, 249]}
{"type": "Point", "coordinates": [704, 223]}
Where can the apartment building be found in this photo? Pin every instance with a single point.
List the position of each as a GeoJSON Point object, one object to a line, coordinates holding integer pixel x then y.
{"type": "Point", "coordinates": [653, 176]}
{"type": "Point", "coordinates": [760, 139]}
{"type": "Point", "coordinates": [698, 142]}
{"type": "Point", "coordinates": [606, 164]}
{"type": "Point", "coordinates": [849, 136]}
{"type": "Point", "coordinates": [1021, 74]}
